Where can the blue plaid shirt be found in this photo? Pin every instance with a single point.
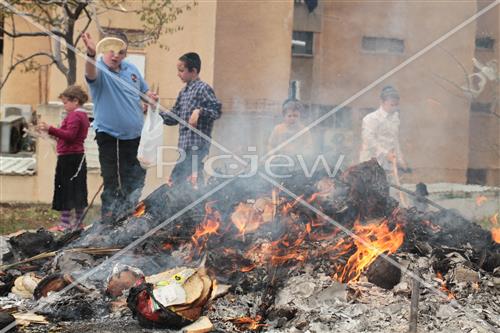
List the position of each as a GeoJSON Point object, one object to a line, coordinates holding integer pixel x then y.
{"type": "Point", "coordinates": [195, 95]}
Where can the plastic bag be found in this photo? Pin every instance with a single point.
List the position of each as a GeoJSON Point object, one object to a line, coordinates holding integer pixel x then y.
{"type": "Point", "coordinates": [151, 138]}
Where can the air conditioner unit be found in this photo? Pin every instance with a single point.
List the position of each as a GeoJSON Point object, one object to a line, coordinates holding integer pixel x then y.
{"type": "Point", "coordinates": [17, 110]}
{"type": "Point", "coordinates": [11, 133]}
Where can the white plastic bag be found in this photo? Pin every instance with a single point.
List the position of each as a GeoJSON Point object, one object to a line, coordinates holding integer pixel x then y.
{"type": "Point", "coordinates": [151, 138]}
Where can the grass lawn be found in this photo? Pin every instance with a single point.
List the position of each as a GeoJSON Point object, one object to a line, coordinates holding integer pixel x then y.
{"type": "Point", "coordinates": [17, 216]}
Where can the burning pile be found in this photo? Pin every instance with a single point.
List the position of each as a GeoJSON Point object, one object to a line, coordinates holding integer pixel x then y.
{"type": "Point", "coordinates": [278, 254]}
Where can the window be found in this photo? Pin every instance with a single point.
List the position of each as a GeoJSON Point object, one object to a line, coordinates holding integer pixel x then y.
{"type": "Point", "coordinates": [485, 43]}
{"type": "Point", "coordinates": [302, 43]}
{"type": "Point", "coordinates": [383, 45]}
{"type": "Point", "coordinates": [476, 176]}
{"type": "Point", "coordinates": [480, 107]}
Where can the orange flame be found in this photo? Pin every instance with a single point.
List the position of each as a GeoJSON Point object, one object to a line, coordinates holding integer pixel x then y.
{"type": "Point", "coordinates": [140, 209]}
{"type": "Point", "coordinates": [249, 323]}
{"type": "Point", "coordinates": [495, 228]}
{"type": "Point", "coordinates": [378, 239]}
{"type": "Point", "coordinates": [289, 205]}
{"type": "Point", "coordinates": [210, 224]}
{"type": "Point", "coordinates": [248, 268]}
{"type": "Point", "coordinates": [481, 200]}
{"type": "Point", "coordinates": [444, 287]}
{"type": "Point", "coordinates": [247, 218]}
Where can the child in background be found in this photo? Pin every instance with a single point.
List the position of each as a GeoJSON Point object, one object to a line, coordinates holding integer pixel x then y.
{"type": "Point", "coordinates": [198, 106]}
{"type": "Point", "coordinates": [70, 184]}
{"type": "Point", "coordinates": [291, 125]}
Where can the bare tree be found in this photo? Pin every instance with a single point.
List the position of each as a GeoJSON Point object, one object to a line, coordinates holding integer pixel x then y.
{"type": "Point", "coordinates": [57, 18]}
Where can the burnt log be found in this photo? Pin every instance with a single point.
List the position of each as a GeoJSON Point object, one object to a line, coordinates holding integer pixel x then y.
{"type": "Point", "coordinates": [384, 273]}
{"type": "Point", "coordinates": [29, 244]}
{"type": "Point", "coordinates": [367, 190]}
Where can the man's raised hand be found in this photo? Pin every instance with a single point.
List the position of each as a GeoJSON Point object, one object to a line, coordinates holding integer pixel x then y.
{"type": "Point", "coordinates": [89, 44]}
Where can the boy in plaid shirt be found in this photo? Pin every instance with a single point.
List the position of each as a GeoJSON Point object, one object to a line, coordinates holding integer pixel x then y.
{"type": "Point", "coordinates": [198, 106]}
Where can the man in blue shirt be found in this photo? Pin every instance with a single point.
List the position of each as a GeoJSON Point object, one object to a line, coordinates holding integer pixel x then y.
{"type": "Point", "coordinates": [116, 86]}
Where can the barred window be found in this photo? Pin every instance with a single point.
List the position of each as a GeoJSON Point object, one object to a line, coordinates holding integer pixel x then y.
{"type": "Point", "coordinates": [485, 43]}
{"type": "Point", "coordinates": [302, 43]}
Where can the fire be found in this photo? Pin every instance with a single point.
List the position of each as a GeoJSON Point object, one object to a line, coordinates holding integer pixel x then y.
{"type": "Point", "coordinates": [209, 226]}
{"type": "Point", "coordinates": [248, 268]}
{"type": "Point", "coordinates": [140, 209]}
{"type": "Point", "coordinates": [481, 200]}
{"type": "Point", "coordinates": [378, 239]}
{"type": "Point", "coordinates": [249, 323]}
{"type": "Point", "coordinates": [248, 218]}
{"type": "Point", "coordinates": [444, 287]}
{"type": "Point", "coordinates": [495, 228]}
{"type": "Point", "coordinates": [279, 252]}
{"type": "Point", "coordinates": [287, 207]}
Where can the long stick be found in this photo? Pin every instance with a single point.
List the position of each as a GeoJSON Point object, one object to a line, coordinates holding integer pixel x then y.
{"type": "Point", "coordinates": [90, 205]}
{"type": "Point", "coordinates": [415, 294]}
{"type": "Point", "coordinates": [402, 197]}
{"type": "Point", "coordinates": [269, 293]}
{"type": "Point", "coordinates": [94, 251]}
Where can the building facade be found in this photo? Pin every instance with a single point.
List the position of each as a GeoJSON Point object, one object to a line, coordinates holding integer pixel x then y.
{"type": "Point", "coordinates": [337, 53]}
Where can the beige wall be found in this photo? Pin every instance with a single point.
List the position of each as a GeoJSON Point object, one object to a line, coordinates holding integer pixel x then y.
{"type": "Point", "coordinates": [23, 88]}
{"type": "Point", "coordinates": [252, 49]}
{"type": "Point", "coordinates": [431, 114]}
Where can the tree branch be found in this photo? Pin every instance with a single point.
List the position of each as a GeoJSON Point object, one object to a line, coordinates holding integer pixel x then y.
{"type": "Point", "coordinates": [84, 28]}
{"type": "Point", "coordinates": [78, 11]}
{"type": "Point", "coordinates": [30, 34]}
{"type": "Point", "coordinates": [57, 58]}
{"type": "Point", "coordinates": [466, 74]}
{"type": "Point", "coordinates": [461, 95]}
{"type": "Point", "coordinates": [13, 66]}
{"type": "Point", "coordinates": [45, 11]}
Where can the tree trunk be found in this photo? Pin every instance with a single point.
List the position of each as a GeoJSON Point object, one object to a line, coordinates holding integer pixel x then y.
{"type": "Point", "coordinates": [71, 75]}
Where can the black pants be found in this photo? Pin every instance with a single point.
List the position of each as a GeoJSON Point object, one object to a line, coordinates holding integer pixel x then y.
{"type": "Point", "coordinates": [192, 163]}
{"type": "Point", "coordinates": [70, 183]}
{"type": "Point", "coordinates": [122, 175]}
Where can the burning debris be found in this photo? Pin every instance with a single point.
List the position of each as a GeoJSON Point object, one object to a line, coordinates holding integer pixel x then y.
{"type": "Point", "coordinates": [172, 299]}
{"type": "Point", "coordinates": [343, 256]}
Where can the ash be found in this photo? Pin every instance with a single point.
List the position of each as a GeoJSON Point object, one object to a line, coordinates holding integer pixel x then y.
{"type": "Point", "coordinates": [312, 302]}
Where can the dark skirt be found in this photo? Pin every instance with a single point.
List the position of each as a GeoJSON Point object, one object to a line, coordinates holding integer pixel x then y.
{"type": "Point", "coordinates": [70, 183]}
